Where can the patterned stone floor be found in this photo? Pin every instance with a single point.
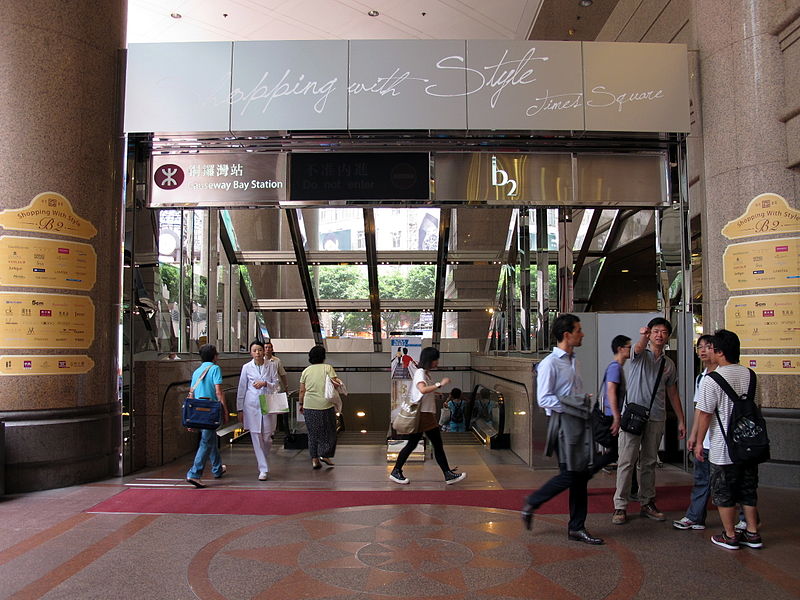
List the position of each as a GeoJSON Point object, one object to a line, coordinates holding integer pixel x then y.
{"type": "Point", "coordinates": [50, 547]}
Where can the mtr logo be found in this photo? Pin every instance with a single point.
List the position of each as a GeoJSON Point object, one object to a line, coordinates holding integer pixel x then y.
{"type": "Point", "coordinates": [501, 179]}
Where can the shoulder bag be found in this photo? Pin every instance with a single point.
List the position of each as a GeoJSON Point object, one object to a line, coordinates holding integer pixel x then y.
{"type": "Point", "coordinates": [635, 416]}
{"type": "Point", "coordinates": [201, 413]}
{"type": "Point", "coordinates": [331, 393]}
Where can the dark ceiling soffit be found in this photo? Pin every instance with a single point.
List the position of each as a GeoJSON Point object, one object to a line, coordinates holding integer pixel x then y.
{"type": "Point", "coordinates": [372, 276]}
{"type": "Point", "coordinates": [441, 275]}
{"type": "Point", "coordinates": [305, 276]}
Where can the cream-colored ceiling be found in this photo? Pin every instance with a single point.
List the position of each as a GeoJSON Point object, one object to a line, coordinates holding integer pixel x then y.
{"type": "Point", "coordinates": [206, 20]}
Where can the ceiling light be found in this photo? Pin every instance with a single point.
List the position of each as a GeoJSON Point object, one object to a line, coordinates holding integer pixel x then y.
{"type": "Point", "coordinates": [175, 15]}
{"type": "Point", "coordinates": [585, 2]}
{"type": "Point", "coordinates": [373, 13]}
{"type": "Point", "coordinates": [361, 413]}
{"type": "Point", "coordinates": [625, 271]}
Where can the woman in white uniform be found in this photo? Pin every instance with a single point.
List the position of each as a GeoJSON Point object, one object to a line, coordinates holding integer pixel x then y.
{"type": "Point", "coordinates": [258, 377]}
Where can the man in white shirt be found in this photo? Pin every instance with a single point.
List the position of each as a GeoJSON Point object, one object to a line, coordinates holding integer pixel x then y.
{"type": "Point", "coordinates": [731, 484]}
{"type": "Point", "coordinates": [560, 392]}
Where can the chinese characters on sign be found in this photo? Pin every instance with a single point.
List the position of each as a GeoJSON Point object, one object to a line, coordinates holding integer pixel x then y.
{"type": "Point", "coordinates": [207, 180]}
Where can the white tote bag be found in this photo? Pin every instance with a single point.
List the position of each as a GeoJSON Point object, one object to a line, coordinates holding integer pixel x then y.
{"type": "Point", "coordinates": [332, 394]}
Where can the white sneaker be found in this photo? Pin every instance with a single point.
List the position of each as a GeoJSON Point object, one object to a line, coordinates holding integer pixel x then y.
{"type": "Point", "coordinates": [741, 526]}
{"type": "Point", "coordinates": [686, 523]}
{"type": "Point", "coordinates": [263, 476]}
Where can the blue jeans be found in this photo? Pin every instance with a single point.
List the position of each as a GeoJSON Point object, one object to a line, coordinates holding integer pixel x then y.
{"type": "Point", "coordinates": [207, 449]}
{"type": "Point", "coordinates": [701, 490]}
{"type": "Point", "coordinates": [457, 427]}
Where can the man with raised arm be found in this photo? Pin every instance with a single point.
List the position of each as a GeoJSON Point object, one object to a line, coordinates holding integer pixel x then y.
{"type": "Point", "coordinates": [651, 380]}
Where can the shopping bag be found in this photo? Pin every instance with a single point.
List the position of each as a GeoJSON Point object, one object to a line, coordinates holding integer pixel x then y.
{"type": "Point", "coordinates": [278, 403]}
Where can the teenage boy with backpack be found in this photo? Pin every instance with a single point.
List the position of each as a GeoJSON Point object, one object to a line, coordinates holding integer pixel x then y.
{"type": "Point", "coordinates": [732, 481]}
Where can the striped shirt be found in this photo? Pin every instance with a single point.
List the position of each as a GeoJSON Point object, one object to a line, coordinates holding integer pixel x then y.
{"type": "Point", "coordinates": [711, 397]}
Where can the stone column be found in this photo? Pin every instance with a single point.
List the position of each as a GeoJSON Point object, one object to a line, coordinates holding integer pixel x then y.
{"type": "Point", "coordinates": [745, 154]}
{"type": "Point", "coordinates": [59, 116]}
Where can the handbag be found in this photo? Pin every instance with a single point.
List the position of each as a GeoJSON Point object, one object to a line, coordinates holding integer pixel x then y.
{"type": "Point", "coordinates": [201, 413]}
{"type": "Point", "coordinates": [444, 418]}
{"type": "Point", "coordinates": [332, 394]}
{"type": "Point", "coordinates": [635, 416]}
{"type": "Point", "coordinates": [407, 419]}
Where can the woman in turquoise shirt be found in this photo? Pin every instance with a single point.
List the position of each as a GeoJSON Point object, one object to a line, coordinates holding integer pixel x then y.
{"type": "Point", "coordinates": [210, 386]}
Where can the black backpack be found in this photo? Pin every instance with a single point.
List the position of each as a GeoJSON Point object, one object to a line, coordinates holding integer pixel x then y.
{"type": "Point", "coordinates": [746, 435]}
{"type": "Point", "coordinates": [457, 415]}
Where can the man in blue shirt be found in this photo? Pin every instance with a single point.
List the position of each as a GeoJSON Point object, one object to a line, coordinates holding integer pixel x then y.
{"type": "Point", "coordinates": [560, 392]}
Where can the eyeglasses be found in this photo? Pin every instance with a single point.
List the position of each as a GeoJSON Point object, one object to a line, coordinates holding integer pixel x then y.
{"type": "Point", "coordinates": [705, 347]}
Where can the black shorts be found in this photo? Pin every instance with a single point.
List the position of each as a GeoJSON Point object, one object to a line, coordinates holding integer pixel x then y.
{"type": "Point", "coordinates": [734, 484]}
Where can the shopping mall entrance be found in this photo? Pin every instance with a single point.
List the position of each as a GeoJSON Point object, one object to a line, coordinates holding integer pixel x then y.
{"type": "Point", "coordinates": [408, 221]}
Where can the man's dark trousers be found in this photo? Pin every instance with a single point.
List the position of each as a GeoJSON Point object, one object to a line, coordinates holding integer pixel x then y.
{"type": "Point", "coordinates": [577, 483]}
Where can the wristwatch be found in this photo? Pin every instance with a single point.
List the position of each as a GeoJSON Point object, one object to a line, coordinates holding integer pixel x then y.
{"type": "Point", "coordinates": [438, 384]}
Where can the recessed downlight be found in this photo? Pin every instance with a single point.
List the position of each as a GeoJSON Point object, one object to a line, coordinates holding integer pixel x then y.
{"type": "Point", "coordinates": [373, 13]}
{"type": "Point", "coordinates": [176, 15]}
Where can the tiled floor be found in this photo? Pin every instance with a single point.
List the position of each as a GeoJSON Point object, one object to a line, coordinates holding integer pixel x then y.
{"type": "Point", "coordinates": [50, 547]}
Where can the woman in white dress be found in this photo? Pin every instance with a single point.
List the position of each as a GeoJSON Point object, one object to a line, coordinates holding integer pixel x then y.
{"type": "Point", "coordinates": [258, 377]}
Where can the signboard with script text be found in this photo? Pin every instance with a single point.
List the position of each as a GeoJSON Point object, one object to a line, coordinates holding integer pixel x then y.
{"type": "Point", "coordinates": [453, 85]}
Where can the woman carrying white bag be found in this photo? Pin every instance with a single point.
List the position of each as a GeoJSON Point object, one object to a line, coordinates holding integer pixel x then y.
{"type": "Point", "coordinates": [257, 386]}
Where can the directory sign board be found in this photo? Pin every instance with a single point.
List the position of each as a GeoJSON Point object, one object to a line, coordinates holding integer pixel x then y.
{"type": "Point", "coordinates": [46, 321]}
{"type": "Point", "coordinates": [48, 212]}
{"type": "Point", "coordinates": [773, 263]}
{"type": "Point", "coordinates": [41, 262]}
{"type": "Point", "coordinates": [45, 364]}
{"type": "Point", "coordinates": [767, 214]}
{"type": "Point", "coordinates": [772, 364]}
{"type": "Point", "coordinates": [765, 321]}
{"type": "Point", "coordinates": [204, 180]}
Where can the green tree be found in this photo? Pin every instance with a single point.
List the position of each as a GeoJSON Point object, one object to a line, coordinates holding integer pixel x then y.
{"type": "Point", "coordinates": [421, 282]}
{"type": "Point", "coordinates": [341, 283]}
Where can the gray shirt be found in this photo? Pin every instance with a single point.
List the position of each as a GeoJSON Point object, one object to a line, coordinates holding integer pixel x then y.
{"type": "Point", "coordinates": [641, 377]}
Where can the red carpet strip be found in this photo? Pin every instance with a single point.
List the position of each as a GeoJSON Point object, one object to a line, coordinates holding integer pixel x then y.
{"type": "Point", "coordinates": [290, 502]}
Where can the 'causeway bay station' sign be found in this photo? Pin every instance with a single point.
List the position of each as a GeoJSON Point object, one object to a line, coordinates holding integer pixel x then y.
{"type": "Point", "coordinates": [243, 88]}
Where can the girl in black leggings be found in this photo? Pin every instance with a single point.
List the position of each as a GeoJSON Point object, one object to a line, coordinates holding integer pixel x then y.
{"type": "Point", "coordinates": [422, 393]}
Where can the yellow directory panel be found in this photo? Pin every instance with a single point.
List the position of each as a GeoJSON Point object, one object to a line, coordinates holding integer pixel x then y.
{"type": "Point", "coordinates": [765, 320]}
{"type": "Point", "coordinates": [767, 264]}
{"type": "Point", "coordinates": [48, 212]}
{"type": "Point", "coordinates": [46, 321]}
{"type": "Point", "coordinates": [772, 364]}
{"type": "Point", "coordinates": [766, 214]}
{"type": "Point", "coordinates": [40, 262]}
{"type": "Point", "coordinates": [49, 364]}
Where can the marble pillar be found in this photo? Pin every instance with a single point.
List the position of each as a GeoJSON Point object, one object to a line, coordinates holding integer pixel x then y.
{"type": "Point", "coordinates": [60, 107]}
{"type": "Point", "coordinates": [745, 154]}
